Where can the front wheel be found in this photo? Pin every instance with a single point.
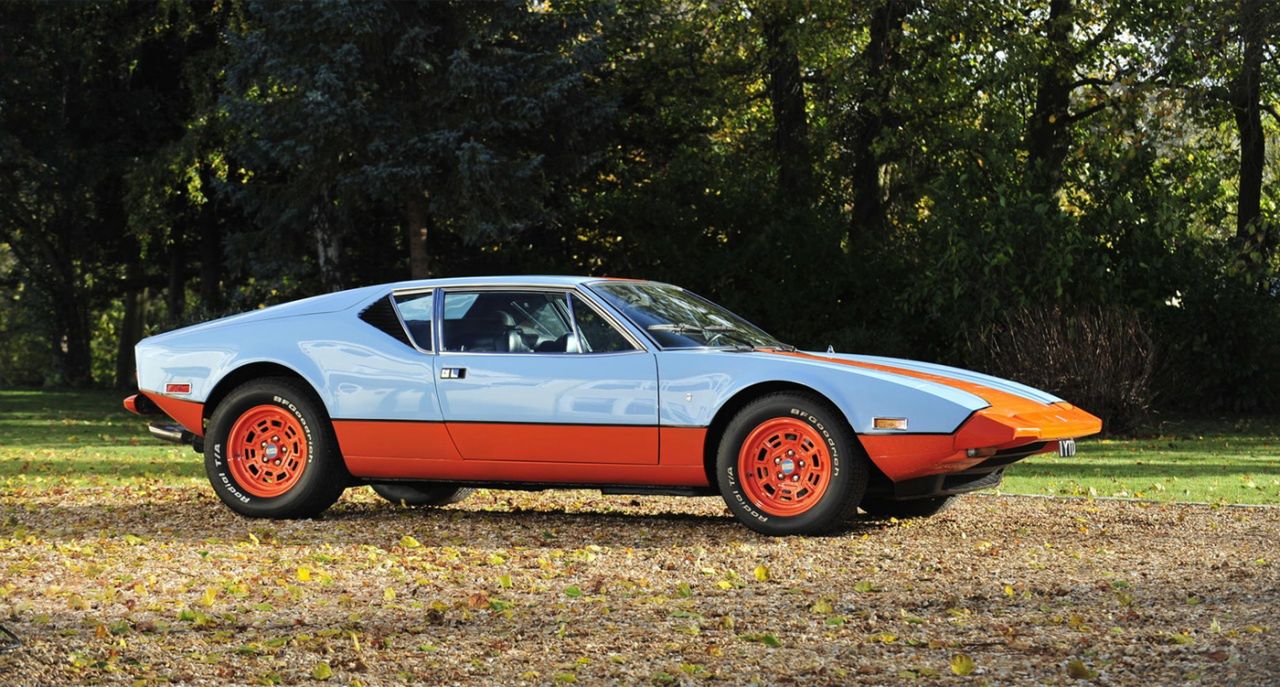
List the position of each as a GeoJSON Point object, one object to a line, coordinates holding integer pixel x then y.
{"type": "Point", "coordinates": [421, 494]}
{"type": "Point", "coordinates": [789, 464]}
{"type": "Point", "coordinates": [270, 451]}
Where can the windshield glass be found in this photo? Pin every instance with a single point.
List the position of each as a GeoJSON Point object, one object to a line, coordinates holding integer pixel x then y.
{"type": "Point", "coordinates": [676, 318]}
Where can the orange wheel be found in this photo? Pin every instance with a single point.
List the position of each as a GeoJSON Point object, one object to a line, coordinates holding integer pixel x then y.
{"type": "Point", "coordinates": [266, 451]}
{"type": "Point", "coordinates": [785, 466]}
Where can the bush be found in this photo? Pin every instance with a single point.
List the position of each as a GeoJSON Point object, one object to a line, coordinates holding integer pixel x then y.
{"type": "Point", "coordinates": [1100, 359]}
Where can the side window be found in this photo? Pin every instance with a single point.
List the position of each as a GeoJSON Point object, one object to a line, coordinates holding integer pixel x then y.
{"type": "Point", "coordinates": [506, 322]}
{"type": "Point", "coordinates": [417, 310]}
{"type": "Point", "coordinates": [595, 333]}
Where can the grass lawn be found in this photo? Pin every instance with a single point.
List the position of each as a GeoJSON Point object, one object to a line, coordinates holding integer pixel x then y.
{"type": "Point", "coordinates": [51, 439]}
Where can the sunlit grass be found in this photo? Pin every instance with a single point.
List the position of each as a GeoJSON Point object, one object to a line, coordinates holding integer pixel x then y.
{"type": "Point", "coordinates": [52, 439]}
{"type": "Point", "coordinates": [1225, 460]}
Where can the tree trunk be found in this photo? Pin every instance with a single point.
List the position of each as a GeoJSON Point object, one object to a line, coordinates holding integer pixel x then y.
{"type": "Point", "coordinates": [1246, 105]}
{"type": "Point", "coordinates": [211, 257]}
{"type": "Point", "coordinates": [176, 296]}
{"type": "Point", "coordinates": [328, 247]}
{"type": "Point", "coordinates": [415, 221]}
{"type": "Point", "coordinates": [881, 57]}
{"type": "Point", "coordinates": [130, 334]}
{"type": "Point", "coordinates": [1049, 133]}
{"type": "Point", "coordinates": [72, 356]}
{"type": "Point", "coordinates": [787, 98]}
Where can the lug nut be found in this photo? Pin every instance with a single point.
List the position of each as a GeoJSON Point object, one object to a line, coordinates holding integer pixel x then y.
{"type": "Point", "coordinates": [781, 476]}
{"type": "Point", "coordinates": [795, 478]}
{"type": "Point", "coordinates": [802, 463]}
{"type": "Point", "coordinates": [777, 461]}
{"type": "Point", "coordinates": [790, 452]}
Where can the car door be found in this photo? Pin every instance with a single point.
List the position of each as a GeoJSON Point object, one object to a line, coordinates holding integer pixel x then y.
{"type": "Point", "coordinates": [521, 378]}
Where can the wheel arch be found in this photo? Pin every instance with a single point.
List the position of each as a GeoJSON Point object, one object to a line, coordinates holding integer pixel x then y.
{"type": "Point", "coordinates": [251, 371]}
{"type": "Point", "coordinates": [715, 430]}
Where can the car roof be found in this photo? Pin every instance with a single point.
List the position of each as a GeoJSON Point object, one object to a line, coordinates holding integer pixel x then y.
{"type": "Point", "coordinates": [501, 280]}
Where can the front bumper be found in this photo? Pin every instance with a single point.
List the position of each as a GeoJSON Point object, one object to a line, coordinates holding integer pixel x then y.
{"type": "Point", "coordinates": [988, 434]}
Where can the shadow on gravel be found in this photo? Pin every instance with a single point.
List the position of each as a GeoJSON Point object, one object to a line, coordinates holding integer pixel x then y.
{"type": "Point", "coordinates": [602, 523]}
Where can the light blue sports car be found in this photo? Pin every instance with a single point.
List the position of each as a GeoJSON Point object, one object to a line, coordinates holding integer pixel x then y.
{"type": "Point", "coordinates": [427, 389]}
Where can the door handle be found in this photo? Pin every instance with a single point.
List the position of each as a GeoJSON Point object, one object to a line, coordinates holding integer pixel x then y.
{"type": "Point", "coordinates": [453, 373]}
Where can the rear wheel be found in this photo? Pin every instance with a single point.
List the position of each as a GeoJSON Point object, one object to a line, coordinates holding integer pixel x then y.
{"type": "Point", "coordinates": [270, 451]}
{"type": "Point", "coordinates": [422, 494]}
{"type": "Point", "coordinates": [789, 464]}
{"type": "Point", "coordinates": [911, 508]}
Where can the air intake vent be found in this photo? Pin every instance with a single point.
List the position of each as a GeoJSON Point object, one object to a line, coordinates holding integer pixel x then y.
{"type": "Point", "coordinates": [382, 314]}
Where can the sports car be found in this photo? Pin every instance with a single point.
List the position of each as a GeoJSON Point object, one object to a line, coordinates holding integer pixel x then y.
{"type": "Point", "coordinates": [428, 389]}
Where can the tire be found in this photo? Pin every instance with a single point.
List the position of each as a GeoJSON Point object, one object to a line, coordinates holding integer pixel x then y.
{"type": "Point", "coordinates": [421, 494]}
{"type": "Point", "coordinates": [295, 471]}
{"type": "Point", "coordinates": [911, 508]}
{"type": "Point", "coordinates": [806, 442]}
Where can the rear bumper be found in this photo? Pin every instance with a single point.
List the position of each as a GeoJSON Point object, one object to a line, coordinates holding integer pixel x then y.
{"type": "Point", "coordinates": [988, 434]}
{"type": "Point", "coordinates": [188, 414]}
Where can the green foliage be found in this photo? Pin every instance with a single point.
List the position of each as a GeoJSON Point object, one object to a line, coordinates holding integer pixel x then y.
{"type": "Point", "coordinates": [478, 112]}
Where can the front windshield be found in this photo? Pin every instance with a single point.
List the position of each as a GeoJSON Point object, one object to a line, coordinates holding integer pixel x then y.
{"type": "Point", "coordinates": [676, 318]}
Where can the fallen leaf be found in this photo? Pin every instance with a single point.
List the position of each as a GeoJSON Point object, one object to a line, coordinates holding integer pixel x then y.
{"type": "Point", "coordinates": [962, 665]}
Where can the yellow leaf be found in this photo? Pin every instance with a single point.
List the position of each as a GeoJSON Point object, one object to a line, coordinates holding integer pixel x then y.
{"type": "Point", "coordinates": [304, 574]}
{"type": "Point", "coordinates": [1008, 590]}
{"type": "Point", "coordinates": [322, 671]}
{"type": "Point", "coordinates": [962, 665]}
{"type": "Point", "coordinates": [724, 584]}
{"type": "Point", "coordinates": [504, 581]}
{"type": "Point", "coordinates": [408, 542]}
{"type": "Point", "coordinates": [1078, 670]}
{"type": "Point", "coordinates": [209, 595]}
{"type": "Point", "coordinates": [389, 594]}
{"type": "Point", "coordinates": [762, 573]}
{"type": "Point", "coordinates": [821, 607]}
{"type": "Point", "coordinates": [254, 538]}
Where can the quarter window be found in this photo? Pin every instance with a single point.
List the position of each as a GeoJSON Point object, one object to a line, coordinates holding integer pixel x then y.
{"type": "Point", "coordinates": [417, 311]}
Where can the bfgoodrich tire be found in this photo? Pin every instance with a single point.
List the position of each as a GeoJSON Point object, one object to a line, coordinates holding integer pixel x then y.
{"type": "Point", "coordinates": [270, 451]}
{"type": "Point", "coordinates": [789, 464]}
{"type": "Point", "coordinates": [421, 494]}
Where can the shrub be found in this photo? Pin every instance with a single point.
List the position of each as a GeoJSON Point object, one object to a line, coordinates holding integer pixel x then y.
{"type": "Point", "coordinates": [1101, 359]}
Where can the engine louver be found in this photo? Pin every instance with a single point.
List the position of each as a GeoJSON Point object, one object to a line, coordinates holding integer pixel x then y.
{"type": "Point", "coordinates": [382, 315]}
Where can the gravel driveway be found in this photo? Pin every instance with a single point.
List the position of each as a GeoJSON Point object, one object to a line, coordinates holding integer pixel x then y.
{"type": "Point", "coordinates": [574, 587]}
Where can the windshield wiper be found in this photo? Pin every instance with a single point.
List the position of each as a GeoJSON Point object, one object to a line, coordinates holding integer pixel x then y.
{"type": "Point", "coordinates": [714, 330]}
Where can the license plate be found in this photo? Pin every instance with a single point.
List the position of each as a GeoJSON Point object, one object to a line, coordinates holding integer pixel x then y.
{"type": "Point", "coordinates": [1067, 448]}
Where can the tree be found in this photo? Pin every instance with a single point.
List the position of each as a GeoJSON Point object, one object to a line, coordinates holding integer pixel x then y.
{"type": "Point", "coordinates": [463, 117]}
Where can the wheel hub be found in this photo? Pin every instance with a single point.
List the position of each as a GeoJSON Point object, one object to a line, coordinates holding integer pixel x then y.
{"type": "Point", "coordinates": [785, 466]}
{"type": "Point", "coordinates": [267, 451]}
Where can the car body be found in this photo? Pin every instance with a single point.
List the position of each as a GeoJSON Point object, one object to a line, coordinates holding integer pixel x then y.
{"type": "Point", "coordinates": [548, 381]}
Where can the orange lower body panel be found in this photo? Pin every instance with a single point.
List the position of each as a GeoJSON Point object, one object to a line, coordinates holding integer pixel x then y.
{"type": "Point", "coordinates": [500, 452]}
{"type": "Point", "coordinates": [623, 444]}
{"type": "Point", "coordinates": [189, 414]}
